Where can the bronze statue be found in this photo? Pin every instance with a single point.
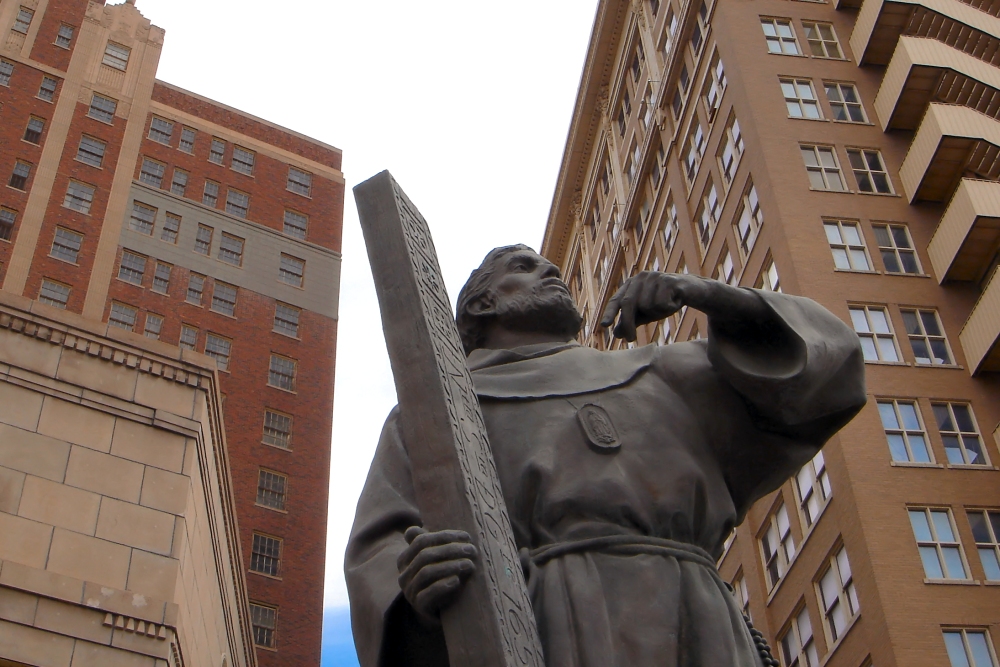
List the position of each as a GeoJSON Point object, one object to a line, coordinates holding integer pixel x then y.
{"type": "Point", "coordinates": [623, 472]}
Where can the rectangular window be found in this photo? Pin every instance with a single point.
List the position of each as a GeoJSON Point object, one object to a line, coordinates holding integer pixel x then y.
{"type": "Point", "coordinates": [196, 288]}
{"type": "Point", "coordinates": [748, 221]}
{"type": "Point", "coordinates": [958, 429]}
{"type": "Point", "coordinates": [986, 531]}
{"type": "Point", "coordinates": [800, 98]}
{"type": "Point", "coordinates": [286, 319]}
{"type": "Point", "coordinates": [33, 132]}
{"type": "Point", "coordinates": [161, 130]}
{"type": "Point", "coordinates": [116, 56]}
{"type": "Point", "coordinates": [291, 270]}
{"type": "Point", "coordinates": [189, 337]}
{"type": "Point", "coordinates": [7, 219]}
{"type": "Point", "coordinates": [102, 108]}
{"type": "Point", "coordinates": [896, 248]}
{"type": "Point", "coordinates": [812, 483]}
{"type": "Point", "coordinates": [707, 216]}
{"type": "Point", "coordinates": [271, 489]}
{"type": "Point", "coordinates": [822, 40]}
{"type": "Point", "coordinates": [19, 177]}
{"type": "Point", "coordinates": [777, 546]}
{"type": "Point", "coordinates": [203, 241]}
{"type": "Point", "coordinates": [187, 139]}
{"type": "Point", "coordinates": [845, 103]}
{"type": "Point", "coordinates": [742, 594]}
{"type": "Point", "coordinates": [824, 171]}
{"type": "Point", "coordinates": [700, 28]}
{"type": "Point", "coordinates": [142, 218]}
{"type": "Point", "coordinates": [875, 330]}
{"type": "Point", "coordinates": [694, 149]}
{"type": "Point", "coordinates": [152, 172]}
{"type": "Point", "coordinates": [277, 429]}
{"type": "Point", "coordinates": [281, 373]}
{"type": "Point", "coordinates": [869, 171]}
{"type": "Point", "coordinates": [161, 277]}
{"type": "Point", "coordinates": [220, 349]}
{"type": "Point", "coordinates": [243, 160]}
{"type": "Point", "coordinates": [65, 36]}
{"type": "Point", "coordinates": [847, 245]}
{"type": "Point", "coordinates": [218, 152]}
{"type": "Point", "coordinates": [731, 150]}
{"type": "Point", "coordinates": [838, 596]}
{"type": "Point", "coordinates": [23, 20]}
{"type": "Point", "coordinates": [66, 245]}
{"type": "Point", "coordinates": [6, 71]}
{"type": "Point", "coordinates": [178, 185]}
{"type": "Point", "coordinates": [937, 542]}
{"type": "Point", "coordinates": [797, 646]}
{"type": "Point", "coordinates": [91, 151]}
{"type": "Point", "coordinates": [299, 181]}
{"type": "Point", "coordinates": [54, 294]}
{"type": "Point", "coordinates": [122, 316]}
{"type": "Point", "coordinates": [264, 620]}
{"type": "Point", "coordinates": [132, 268]}
{"type": "Point", "coordinates": [237, 203]}
{"type": "Point", "coordinates": [768, 279]}
{"type": "Point", "coordinates": [927, 339]}
{"type": "Point", "coordinates": [969, 648]}
{"type": "Point", "coordinates": [224, 298]}
{"type": "Point", "coordinates": [153, 326]}
{"type": "Point", "coordinates": [171, 228]}
{"type": "Point", "coordinates": [715, 85]}
{"type": "Point", "coordinates": [780, 36]}
{"type": "Point", "coordinates": [671, 227]}
{"type": "Point", "coordinates": [211, 196]}
{"type": "Point", "coordinates": [296, 224]}
{"type": "Point", "coordinates": [231, 249]}
{"type": "Point", "coordinates": [725, 270]}
{"type": "Point", "coordinates": [904, 431]}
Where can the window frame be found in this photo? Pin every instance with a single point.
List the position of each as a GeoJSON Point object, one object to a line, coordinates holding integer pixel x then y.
{"type": "Point", "coordinates": [991, 522]}
{"type": "Point", "coordinates": [847, 247]}
{"type": "Point", "coordinates": [964, 632]}
{"type": "Point", "coordinates": [268, 637]}
{"type": "Point", "coordinates": [286, 331]}
{"type": "Point", "coordinates": [123, 309]}
{"type": "Point", "coordinates": [182, 339]}
{"type": "Point", "coordinates": [846, 599]}
{"type": "Point", "coordinates": [219, 348]}
{"type": "Point", "coordinates": [784, 549]}
{"type": "Point", "coordinates": [271, 418]}
{"type": "Point", "coordinates": [284, 273]}
{"type": "Point", "coordinates": [272, 373]}
{"type": "Point", "coordinates": [91, 157]}
{"type": "Point", "coordinates": [59, 286]}
{"type": "Point", "coordinates": [960, 435]}
{"type": "Point", "coordinates": [822, 41]}
{"type": "Point", "coordinates": [844, 103]}
{"type": "Point", "coordinates": [246, 166]}
{"type": "Point", "coordinates": [101, 114]}
{"type": "Point", "coordinates": [158, 279]}
{"type": "Point", "coordinates": [775, 22]}
{"type": "Point", "coordinates": [819, 487]}
{"type": "Point", "coordinates": [923, 336]}
{"type": "Point", "coordinates": [132, 265]}
{"type": "Point", "coordinates": [83, 188]}
{"type": "Point", "coordinates": [874, 335]}
{"type": "Point", "coordinates": [66, 247]}
{"type": "Point", "coordinates": [303, 187]}
{"type": "Point", "coordinates": [171, 229]}
{"type": "Point", "coordinates": [138, 223]}
{"type": "Point", "coordinates": [221, 296]}
{"type": "Point", "coordinates": [118, 60]}
{"type": "Point", "coordinates": [265, 487]}
{"type": "Point", "coordinates": [23, 20]}
{"type": "Point", "coordinates": [152, 178]}
{"type": "Point", "coordinates": [895, 249]}
{"type": "Point", "coordinates": [866, 177]}
{"type": "Point", "coordinates": [904, 432]}
{"type": "Point", "coordinates": [33, 135]}
{"type": "Point", "coordinates": [937, 543]}
{"type": "Point", "coordinates": [158, 134]}
{"type": "Point", "coordinates": [64, 41]}
{"type": "Point", "coordinates": [195, 294]}
{"type": "Point", "coordinates": [806, 655]}
{"type": "Point", "coordinates": [818, 150]}
{"type": "Point", "coordinates": [156, 330]}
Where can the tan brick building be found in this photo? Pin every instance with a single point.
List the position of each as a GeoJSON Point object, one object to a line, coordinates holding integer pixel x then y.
{"type": "Point", "coordinates": [849, 152]}
{"type": "Point", "coordinates": [131, 202]}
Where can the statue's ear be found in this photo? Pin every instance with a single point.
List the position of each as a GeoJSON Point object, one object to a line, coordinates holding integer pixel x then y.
{"type": "Point", "coordinates": [485, 304]}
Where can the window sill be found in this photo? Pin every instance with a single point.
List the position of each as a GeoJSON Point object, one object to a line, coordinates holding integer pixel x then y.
{"type": "Point", "coordinates": [102, 122]}
{"type": "Point", "coordinates": [192, 303]}
{"type": "Point", "coordinates": [122, 280]}
{"type": "Point", "coordinates": [851, 122]}
{"type": "Point", "coordinates": [871, 272]}
{"type": "Point", "coordinates": [915, 464]}
{"type": "Point", "coordinates": [211, 161]}
{"type": "Point", "coordinates": [32, 143]}
{"type": "Point", "coordinates": [990, 582]}
{"type": "Point", "coordinates": [836, 192]}
{"type": "Point", "coordinates": [878, 194]}
{"type": "Point", "coordinates": [287, 391]}
{"type": "Point", "coordinates": [155, 291]}
{"type": "Point", "coordinates": [887, 363]}
{"type": "Point", "coordinates": [266, 576]}
{"type": "Point", "coordinates": [265, 648]}
{"type": "Point", "coordinates": [903, 274]}
{"type": "Point", "coordinates": [813, 120]}
{"type": "Point", "coordinates": [788, 55]}
{"type": "Point", "coordinates": [270, 509]}
{"type": "Point", "coordinates": [298, 193]}
{"type": "Point", "coordinates": [281, 333]}
{"type": "Point", "coordinates": [952, 582]}
{"type": "Point", "coordinates": [954, 367]}
{"type": "Point", "coordinates": [74, 210]}
{"type": "Point", "coordinates": [65, 261]}
{"type": "Point", "coordinates": [79, 161]}
{"type": "Point", "coordinates": [44, 100]}
{"type": "Point", "coordinates": [969, 466]}
{"type": "Point", "coordinates": [226, 315]}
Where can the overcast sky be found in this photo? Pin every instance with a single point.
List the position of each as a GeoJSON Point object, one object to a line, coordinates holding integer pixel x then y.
{"type": "Point", "coordinates": [467, 103]}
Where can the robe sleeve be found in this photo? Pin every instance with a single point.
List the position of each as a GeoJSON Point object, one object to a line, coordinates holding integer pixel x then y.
{"type": "Point", "coordinates": [386, 629]}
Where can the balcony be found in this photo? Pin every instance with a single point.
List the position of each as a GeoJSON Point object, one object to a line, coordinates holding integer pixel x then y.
{"type": "Point", "coordinates": [952, 142]}
{"type": "Point", "coordinates": [968, 235]}
{"type": "Point", "coordinates": [982, 329]}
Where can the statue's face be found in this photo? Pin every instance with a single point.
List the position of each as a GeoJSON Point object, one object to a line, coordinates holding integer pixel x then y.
{"type": "Point", "coordinates": [530, 295]}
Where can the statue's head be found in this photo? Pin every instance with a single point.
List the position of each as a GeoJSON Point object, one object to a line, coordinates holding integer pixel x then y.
{"type": "Point", "coordinates": [517, 288]}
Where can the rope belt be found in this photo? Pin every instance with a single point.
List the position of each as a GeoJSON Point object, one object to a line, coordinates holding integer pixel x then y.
{"type": "Point", "coordinates": [632, 545]}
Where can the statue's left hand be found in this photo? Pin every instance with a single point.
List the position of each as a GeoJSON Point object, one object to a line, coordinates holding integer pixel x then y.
{"type": "Point", "coordinates": [647, 297]}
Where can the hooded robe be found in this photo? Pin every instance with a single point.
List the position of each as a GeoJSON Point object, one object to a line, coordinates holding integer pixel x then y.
{"type": "Point", "coordinates": [623, 473]}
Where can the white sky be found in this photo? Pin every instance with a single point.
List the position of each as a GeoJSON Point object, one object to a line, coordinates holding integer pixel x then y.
{"type": "Point", "coordinates": [467, 103]}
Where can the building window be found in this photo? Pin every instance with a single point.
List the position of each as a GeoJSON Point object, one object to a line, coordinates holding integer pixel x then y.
{"type": "Point", "coordinates": [243, 160]}
{"type": "Point", "coordinates": [748, 221]}
{"type": "Point", "coordinates": [927, 339]}
{"type": "Point", "coordinates": [845, 103]}
{"type": "Point", "coordinates": [271, 489]}
{"type": "Point", "coordinates": [986, 532]}
{"type": "Point", "coordinates": [171, 228]}
{"type": "Point", "coordinates": [132, 268]}
{"type": "Point", "coordinates": [161, 131]}
{"type": "Point", "coordinates": [218, 152]}
{"type": "Point", "coordinates": [231, 249]}
{"type": "Point", "coordinates": [224, 298]}
{"type": "Point", "coordinates": [196, 288]}
{"type": "Point", "coordinates": [694, 149]}
{"type": "Point", "coordinates": [116, 56]}
{"type": "Point", "coordinates": [203, 241]}
{"type": "Point", "coordinates": [264, 621]}
{"type": "Point", "coordinates": [178, 185]}
{"type": "Point", "coordinates": [152, 172]}
{"type": "Point", "coordinates": [161, 277]}
{"type": "Point", "coordinates": [187, 140]}
{"type": "Point", "coordinates": [715, 85]}
{"type": "Point", "coordinates": [102, 108]}
{"type": "Point", "coordinates": [800, 98]}
{"type": "Point", "coordinates": [122, 316]}
{"type": "Point", "coordinates": [153, 326]}
{"type": "Point", "coordinates": [654, 6]}
{"type": "Point", "coordinates": [277, 429]}
{"type": "Point", "coordinates": [969, 648]}
{"type": "Point", "coordinates": [142, 218]}
{"type": "Point", "coordinates": [299, 181]}
{"type": "Point", "coordinates": [813, 485]}
{"type": "Point", "coordinates": [869, 171]}
{"type": "Point", "coordinates": [23, 20]}
{"type": "Point", "coordinates": [671, 228]}
{"type": "Point", "coordinates": [960, 434]}
{"type": "Point", "coordinates": [211, 196]}
{"type": "Point", "coordinates": [291, 270]}
{"type": "Point", "coordinates": [6, 71]}
{"type": "Point", "coordinates": [54, 294]}
{"type": "Point", "coordinates": [873, 327]}
{"type": "Point", "coordinates": [7, 219]}
{"type": "Point", "coordinates": [824, 171]}
{"type": "Point", "coordinates": [66, 245]}
{"type": "Point", "coordinates": [237, 203]}
{"type": "Point", "coordinates": [742, 594]}
{"type": "Point", "coordinates": [838, 596]}
{"type": "Point", "coordinates": [725, 270]}
{"type": "Point", "coordinates": [780, 36]}
{"type": "Point", "coordinates": [296, 224]}
{"type": "Point", "coordinates": [33, 132]}
{"type": "Point", "coordinates": [707, 216]}
{"type": "Point", "coordinates": [731, 150]}
{"type": "Point", "coordinates": [19, 177]}
{"type": "Point", "coordinates": [281, 373]}
{"type": "Point", "coordinates": [797, 646]}
{"type": "Point", "coordinates": [940, 550]}
{"type": "Point", "coordinates": [700, 28]}
{"type": "Point", "coordinates": [220, 349]}
{"type": "Point", "coordinates": [65, 37]}
{"type": "Point", "coordinates": [822, 40]}
{"type": "Point", "coordinates": [189, 337]}
{"type": "Point", "coordinates": [904, 431]}
{"type": "Point", "coordinates": [847, 245]}
{"type": "Point", "coordinates": [768, 279]}
{"type": "Point", "coordinates": [286, 319]}
{"type": "Point", "coordinates": [777, 546]}
{"type": "Point", "coordinates": [896, 247]}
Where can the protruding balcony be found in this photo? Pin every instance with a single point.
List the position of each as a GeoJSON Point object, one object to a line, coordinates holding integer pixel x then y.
{"type": "Point", "coordinates": [952, 141]}
{"type": "Point", "coordinates": [925, 70]}
{"type": "Point", "coordinates": [968, 235]}
{"type": "Point", "coordinates": [982, 330]}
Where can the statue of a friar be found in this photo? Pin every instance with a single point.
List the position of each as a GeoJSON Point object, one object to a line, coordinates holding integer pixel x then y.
{"type": "Point", "coordinates": [623, 472]}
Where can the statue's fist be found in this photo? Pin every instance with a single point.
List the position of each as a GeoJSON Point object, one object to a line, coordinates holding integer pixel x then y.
{"type": "Point", "coordinates": [433, 568]}
{"type": "Point", "coordinates": [647, 297]}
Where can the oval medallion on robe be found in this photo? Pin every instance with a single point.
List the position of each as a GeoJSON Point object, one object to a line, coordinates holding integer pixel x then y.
{"type": "Point", "coordinates": [599, 429]}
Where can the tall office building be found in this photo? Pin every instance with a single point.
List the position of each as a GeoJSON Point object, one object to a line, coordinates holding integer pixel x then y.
{"type": "Point", "coordinates": [849, 152]}
{"type": "Point", "coordinates": [174, 217]}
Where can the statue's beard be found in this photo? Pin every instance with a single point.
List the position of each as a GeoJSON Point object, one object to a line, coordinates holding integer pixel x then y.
{"type": "Point", "coordinates": [552, 312]}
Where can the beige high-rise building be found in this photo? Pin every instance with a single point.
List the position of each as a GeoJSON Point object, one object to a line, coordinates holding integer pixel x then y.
{"type": "Point", "coordinates": [850, 152]}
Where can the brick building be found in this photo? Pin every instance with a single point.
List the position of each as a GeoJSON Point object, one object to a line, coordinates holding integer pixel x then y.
{"type": "Point", "coordinates": [130, 201]}
{"type": "Point", "coordinates": [849, 151]}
